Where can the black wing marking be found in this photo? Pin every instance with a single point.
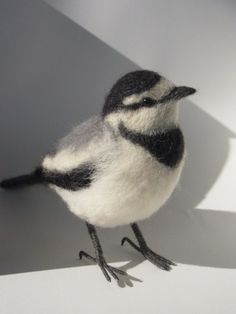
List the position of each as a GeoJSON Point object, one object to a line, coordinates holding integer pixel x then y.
{"type": "Point", "coordinates": [75, 179]}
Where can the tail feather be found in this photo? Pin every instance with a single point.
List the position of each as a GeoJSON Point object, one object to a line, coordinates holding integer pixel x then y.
{"type": "Point", "coordinates": [24, 180]}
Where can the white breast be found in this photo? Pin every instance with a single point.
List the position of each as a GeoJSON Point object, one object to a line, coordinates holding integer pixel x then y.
{"type": "Point", "coordinates": [130, 186]}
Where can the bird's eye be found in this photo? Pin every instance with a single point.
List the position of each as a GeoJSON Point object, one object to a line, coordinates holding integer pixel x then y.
{"type": "Point", "coordinates": [148, 101]}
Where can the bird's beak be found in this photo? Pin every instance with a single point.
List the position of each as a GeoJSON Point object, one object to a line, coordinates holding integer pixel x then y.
{"type": "Point", "coordinates": [184, 91]}
{"type": "Point", "coordinates": [177, 93]}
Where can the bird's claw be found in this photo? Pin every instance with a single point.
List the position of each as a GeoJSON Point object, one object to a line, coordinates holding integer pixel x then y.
{"type": "Point", "coordinates": [151, 256]}
{"type": "Point", "coordinates": [106, 268]}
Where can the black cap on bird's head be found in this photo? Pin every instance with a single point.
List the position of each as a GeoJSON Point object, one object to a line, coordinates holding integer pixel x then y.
{"type": "Point", "coordinates": [139, 82]}
{"type": "Point", "coordinates": [129, 84]}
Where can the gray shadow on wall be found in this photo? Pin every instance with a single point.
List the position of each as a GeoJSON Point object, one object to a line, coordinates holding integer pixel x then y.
{"type": "Point", "coordinates": [55, 75]}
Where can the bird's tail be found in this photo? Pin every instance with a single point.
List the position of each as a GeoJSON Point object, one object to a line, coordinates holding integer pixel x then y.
{"type": "Point", "coordinates": [24, 180]}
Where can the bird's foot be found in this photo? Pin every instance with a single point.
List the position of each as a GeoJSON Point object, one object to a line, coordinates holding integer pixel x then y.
{"type": "Point", "coordinates": [154, 258]}
{"type": "Point", "coordinates": [106, 269]}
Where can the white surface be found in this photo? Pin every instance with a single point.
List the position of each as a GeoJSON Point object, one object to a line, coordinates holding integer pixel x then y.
{"type": "Point", "coordinates": [192, 43]}
{"type": "Point", "coordinates": [186, 290]}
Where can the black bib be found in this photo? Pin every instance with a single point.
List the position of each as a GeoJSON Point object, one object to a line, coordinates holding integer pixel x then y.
{"type": "Point", "coordinates": [166, 147]}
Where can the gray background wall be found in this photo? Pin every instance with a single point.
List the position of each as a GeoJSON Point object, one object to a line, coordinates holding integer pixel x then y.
{"type": "Point", "coordinates": [48, 64]}
{"type": "Point", "coordinates": [48, 67]}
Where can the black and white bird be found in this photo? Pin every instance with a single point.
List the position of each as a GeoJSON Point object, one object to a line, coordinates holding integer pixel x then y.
{"type": "Point", "coordinates": [121, 166]}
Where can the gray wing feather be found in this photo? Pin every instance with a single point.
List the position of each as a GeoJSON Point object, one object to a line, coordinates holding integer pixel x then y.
{"type": "Point", "coordinates": [93, 139]}
{"type": "Point", "coordinates": [91, 132]}
{"type": "Point", "coordinates": [83, 134]}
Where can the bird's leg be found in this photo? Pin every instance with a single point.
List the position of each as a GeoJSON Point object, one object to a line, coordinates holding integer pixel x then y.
{"type": "Point", "coordinates": [154, 258]}
{"type": "Point", "coordinates": [99, 258]}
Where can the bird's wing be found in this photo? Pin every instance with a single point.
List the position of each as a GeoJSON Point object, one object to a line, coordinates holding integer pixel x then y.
{"type": "Point", "coordinates": [84, 144]}
{"type": "Point", "coordinates": [82, 134]}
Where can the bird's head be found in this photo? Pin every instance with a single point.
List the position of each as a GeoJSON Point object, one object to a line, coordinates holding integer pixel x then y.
{"type": "Point", "coordinates": [144, 101]}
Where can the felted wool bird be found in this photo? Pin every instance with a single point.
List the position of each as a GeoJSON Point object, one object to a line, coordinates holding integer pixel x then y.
{"type": "Point", "coordinates": [121, 166]}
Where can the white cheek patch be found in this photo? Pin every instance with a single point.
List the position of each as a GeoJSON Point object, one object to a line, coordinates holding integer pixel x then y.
{"type": "Point", "coordinates": [133, 99]}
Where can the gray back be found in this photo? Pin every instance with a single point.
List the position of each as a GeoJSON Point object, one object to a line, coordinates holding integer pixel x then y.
{"type": "Point", "coordinates": [83, 134]}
